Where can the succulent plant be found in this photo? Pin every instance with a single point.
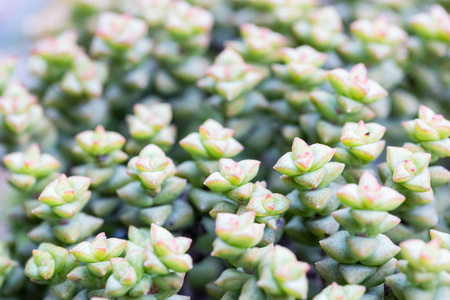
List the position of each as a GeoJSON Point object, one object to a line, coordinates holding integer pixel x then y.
{"type": "Point", "coordinates": [431, 131]}
{"type": "Point", "coordinates": [260, 44]}
{"type": "Point", "coordinates": [307, 166]}
{"type": "Point", "coordinates": [277, 271]}
{"type": "Point", "coordinates": [309, 171]}
{"type": "Point", "coordinates": [233, 178]}
{"type": "Point", "coordinates": [100, 142]}
{"type": "Point", "coordinates": [186, 22]}
{"type": "Point", "coordinates": [31, 170]}
{"type": "Point", "coordinates": [101, 150]}
{"type": "Point", "coordinates": [50, 265]}
{"type": "Point", "coordinates": [162, 259]}
{"type": "Point", "coordinates": [409, 169]}
{"type": "Point", "coordinates": [19, 110]}
{"type": "Point", "coordinates": [102, 154]}
{"type": "Point", "coordinates": [237, 234]}
{"type": "Point", "coordinates": [232, 79]}
{"type": "Point", "coordinates": [213, 141]}
{"type": "Point", "coordinates": [64, 197]}
{"type": "Point", "coordinates": [268, 206]}
{"type": "Point", "coordinates": [86, 77]}
{"type": "Point", "coordinates": [52, 56]}
{"type": "Point", "coordinates": [282, 275]}
{"type": "Point", "coordinates": [362, 254]}
{"type": "Point", "coordinates": [127, 275]}
{"type": "Point", "coordinates": [355, 85]}
{"type": "Point", "coordinates": [206, 147]}
{"type": "Point", "coordinates": [322, 29]}
{"type": "Point", "coordinates": [422, 269]}
{"type": "Point", "coordinates": [363, 141]}
{"type": "Point", "coordinates": [121, 37]}
{"type": "Point", "coordinates": [150, 123]}
{"type": "Point", "coordinates": [301, 69]}
{"type": "Point", "coordinates": [153, 13]}
{"type": "Point", "coordinates": [432, 25]}
{"type": "Point", "coordinates": [154, 186]}
{"type": "Point", "coordinates": [166, 250]}
{"type": "Point", "coordinates": [279, 14]}
{"type": "Point", "coordinates": [355, 101]}
{"type": "Point", "coordinates": [62, 201]}
{"type": "Point", "coordinates": [98, 254]}
{"type": "Point", "coordinates": [151, 167]}
{"type": "Point", "coordinates": [378, 39]}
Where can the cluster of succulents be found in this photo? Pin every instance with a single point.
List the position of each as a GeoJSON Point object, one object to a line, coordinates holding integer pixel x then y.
{"type": "Point", "coordinates": [143, 159]}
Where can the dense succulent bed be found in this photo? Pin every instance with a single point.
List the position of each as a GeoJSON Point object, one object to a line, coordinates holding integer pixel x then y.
{"type": "Point", "coordinates": [214, 149]}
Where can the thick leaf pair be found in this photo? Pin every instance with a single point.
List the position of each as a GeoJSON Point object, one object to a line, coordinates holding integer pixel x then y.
{"type": "Point", "coordinates": [48, 261]}
{"type": "Point", "coordinates": [212, 142]}
{"type": "Point", "coordinates": [301, 67]}
{"type": "Point", "coordinates": [259, 45]}
{"type": "Point", "coordinates": [30, 170]}
{"type": "Point", "coordinates": [122, 37]}
{"type": "Point", "coordinates": [376, 40]}
{"type": "Point", "coordinates": [363, 141]}
{"type": "Point", "coordinates": [230, 76]}
{"type": "Point", "coordinates": [163, 253]}
{"type": "Point", "coordinates": [150, 123]}
{"type": "Point", "coordinates": [97, 255]}
{"type": "Point", "coordinates": [308, 167]}
{"type": "Point", "coordinates": [431, 131]}
{"type": "Point", "coordinates": [19, 110]}
{"type": "Point", "coordinates": [233, 178]}
{"type": "Point", "coordinates": [322, 29]}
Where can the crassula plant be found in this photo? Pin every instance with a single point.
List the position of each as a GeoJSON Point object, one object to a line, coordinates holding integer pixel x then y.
{"type": "Point", "coordinates": [232, 79]}
{"type": "Point", "coordinates": [432, 28]}
{"type": "Point", "coordinates": [276, 271]}
{"type": "Point", "coordinates": [362, 254]}
{"type": "Point", "coordinates": [423, 268]}
{"type": "Point", "coordinates": [31, 170]}
{"type": "Point", "coordinates": [301, 71]}
{"type": "Point", "coordinates": [120, 36]}
{"type": "Point", "coordinates": [362, 144]}
{"type": "Point", "coordinates": [226, 150]}
{"type": "Point", "coordinates": [431, 131]}
{"type": "Point", "coordinates": [51, 57]}
{"type": "Point", "coordinates": [233, 178]}
{"type": "Point", "coordinates": [49, 265]}
{"type": "Point", "coordinates": [260, 44]}
{"type": "Point", "coordinates": [354, 100]}
{"type": "Point", "coordinates": [322, 30]}
{"type": "Point", "coordinates": [355, 91]}
{"type": "Point", "coordinates": [150, 123]}
{"type": "Point", "coordinates": [309, 171]}
{"type": "Point", "coordinates": [154, 188]}
{"type": "Point", "coordinates": [22, 118]}
{"type": "Point", "coordinates": [377, 39]}
{"type": "Point", "coordinates": [60, 208]}
{"type": "Point", "coordinates": [212, 142]}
